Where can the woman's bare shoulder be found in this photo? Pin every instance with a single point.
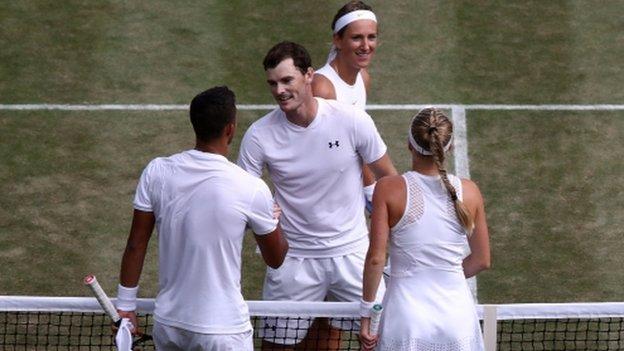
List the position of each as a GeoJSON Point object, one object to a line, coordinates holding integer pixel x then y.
{"type": "Point", "coordinates": [323, 87]}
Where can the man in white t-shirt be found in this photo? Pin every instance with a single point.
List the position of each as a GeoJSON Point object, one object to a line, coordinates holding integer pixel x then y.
{"type": "Point", "coordinates": [312, 149]}
{"type": "Point", "coordinates": [201, 204]}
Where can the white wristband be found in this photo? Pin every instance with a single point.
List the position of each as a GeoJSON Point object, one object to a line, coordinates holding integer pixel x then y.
{"type": "Point", "coordinates": [368, 192]}
{"type": "Point", "coordinates": [126, 298]}
{"type": "Point", "coordinates": [366, 308]}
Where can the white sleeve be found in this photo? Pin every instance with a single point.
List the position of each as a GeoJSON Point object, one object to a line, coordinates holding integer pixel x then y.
{"type": "Point", "coordinates": [260, 216]}
{"type": "Point", "coordinates": [250, 155]}
{"type": "Point", "coordinates": [368, 143]}
{"type": "Point", "coordinates": [142, 200]}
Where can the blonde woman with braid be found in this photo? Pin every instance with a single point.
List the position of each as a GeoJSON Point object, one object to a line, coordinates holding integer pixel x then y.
{"type": "Point", "coordinates": [426, 216]}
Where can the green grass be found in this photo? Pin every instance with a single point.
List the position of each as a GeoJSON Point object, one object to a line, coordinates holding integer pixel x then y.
{"type": "Point", "coordinates": [69, 184]}
{"type": "Point", "coordinates": [554, 204]}
{"type": "Point", "coordinates": [551, 180]}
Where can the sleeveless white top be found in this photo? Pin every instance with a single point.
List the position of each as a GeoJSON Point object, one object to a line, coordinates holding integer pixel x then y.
{"type": "Point", "coordinates": [429, 235]}
{"type": "Point", "coordinates": [349, 94]}
{"type": "Point", "coordinates": [428, 305]}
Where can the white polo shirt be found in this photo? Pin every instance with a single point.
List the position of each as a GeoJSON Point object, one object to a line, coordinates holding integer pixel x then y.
{"type": "Point", "coordinates": [317, 175]}
{"type": "Point", "coordinates": [202, 204]}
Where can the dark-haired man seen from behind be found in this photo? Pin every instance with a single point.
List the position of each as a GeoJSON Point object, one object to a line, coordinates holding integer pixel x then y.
{"type": "Point", "coordinates": [201, 204]}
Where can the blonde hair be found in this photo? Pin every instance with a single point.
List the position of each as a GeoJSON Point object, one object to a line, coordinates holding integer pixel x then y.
{"type": "Point", "coordinates": [432, 131]}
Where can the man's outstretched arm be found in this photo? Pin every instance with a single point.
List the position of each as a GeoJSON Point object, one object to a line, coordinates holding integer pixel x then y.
{"type": "Point", "coordinates": [132, 263]}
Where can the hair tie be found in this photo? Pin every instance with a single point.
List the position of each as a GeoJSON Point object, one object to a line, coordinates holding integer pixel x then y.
{"type": "Point", "coordinates": [432, 129]}
{"type": "Point", "coordinates": [454, 197]}
{"type": "Point", "coordinates": [421, 150]}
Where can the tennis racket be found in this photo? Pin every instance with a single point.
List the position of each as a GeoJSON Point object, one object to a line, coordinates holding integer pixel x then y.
{"type": "Point", "coordinates": [102, 298]}
{"type": "Point", "coordinates": [123, 339]}
{"type": "Point", "coordinates": [375, 318]}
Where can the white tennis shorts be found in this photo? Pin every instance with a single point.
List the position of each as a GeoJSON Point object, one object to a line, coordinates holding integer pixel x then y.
{"type": "Point", "coordinates": [168, 338]}
{"type": "Point", "coordinates": [312, 279]}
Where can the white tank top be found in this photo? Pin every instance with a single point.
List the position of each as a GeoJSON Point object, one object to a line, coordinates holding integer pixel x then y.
{"type": "Point", "coordinates": [428, 236]}
{"type": "Point", "coordinates": [349, 94]}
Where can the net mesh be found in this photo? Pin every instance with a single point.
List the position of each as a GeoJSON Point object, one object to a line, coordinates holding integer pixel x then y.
{"type": "Point", "coordinates": [92, 331]}
{"type": "Point", "coordinates": [561, 334]}
{"type": "Point", "coordinates": [28, 326]}
{"type": "Point", "coordinates": [32, 330]}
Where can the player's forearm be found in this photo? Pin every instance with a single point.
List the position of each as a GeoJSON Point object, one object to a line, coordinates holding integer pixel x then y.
{"type": "Point", "coordinates": [473, 265]}
{"type": "Point", "coordinates": [479, 258]}
{"type": "Point", "coordinates": [373, 269]}
{"type": "Point", "coordinates": [132, 265]}
{"type": "Point", "coordinates": [276, 257]}
{"type": "Point", "coordinates": [273, 247]}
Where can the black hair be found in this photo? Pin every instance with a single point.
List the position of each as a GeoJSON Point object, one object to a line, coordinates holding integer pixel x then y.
{"type": "Point", "coordinates": [211, 111]}
{"type": "Point", "coordinates": [285, 50]}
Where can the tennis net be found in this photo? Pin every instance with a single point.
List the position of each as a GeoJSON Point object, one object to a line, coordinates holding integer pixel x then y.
{"type": "Point", "coordinates": [571, 326]}
{"type": "Point", "coordinates": [69, 323]}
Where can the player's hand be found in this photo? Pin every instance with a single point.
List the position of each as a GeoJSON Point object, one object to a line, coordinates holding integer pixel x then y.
{"type": "Point", "coordinates": [277, 210]}
{"type": "Point", "coordinates": [131, 315]}
{"type": "Point", "coordinates": [367, 341]}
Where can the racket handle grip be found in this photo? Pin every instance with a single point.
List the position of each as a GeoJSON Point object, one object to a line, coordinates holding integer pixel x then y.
{"type": "Point", "coordinates": [100, 295]}
{"type": "Point", "coordinates": [375, 319]}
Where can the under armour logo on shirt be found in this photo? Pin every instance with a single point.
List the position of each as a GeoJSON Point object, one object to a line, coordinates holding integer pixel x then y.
{"type": "Point", "coordinates": [333, 144]}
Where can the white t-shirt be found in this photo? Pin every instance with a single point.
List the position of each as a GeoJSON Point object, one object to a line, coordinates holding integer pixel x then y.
{"type": "Point", "coordinates": [349, 94]}
{"type": "Point", "coordinates": [317, 175]}
{"type": "Point", "coordinates": [202, 204]}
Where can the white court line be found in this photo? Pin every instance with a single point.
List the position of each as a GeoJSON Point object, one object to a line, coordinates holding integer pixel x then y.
{"type": "Point", "coordinates": [462, 168]}
{"type": "Point", "coordinates": [386, 107]}
{"type": "Point", "coordinates": [460, 131]}
{"type": "Point", "coordinates": [560, 107]}
{"type": "Point", "coordinates": [90, 107]}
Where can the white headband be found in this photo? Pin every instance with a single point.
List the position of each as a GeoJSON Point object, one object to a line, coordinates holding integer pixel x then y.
{"type": "Point", "coordinates": [352, 17]}
{"type": "Point", "coordinates": [421, 150]}
{"type": "Point", "coordinates": [345, 21]}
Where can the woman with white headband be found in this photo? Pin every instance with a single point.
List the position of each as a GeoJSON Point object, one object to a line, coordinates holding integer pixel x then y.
{"type": "Point", "coordinates": [427, 215]}
{"type": "Point", "coordinates": [345, 77]}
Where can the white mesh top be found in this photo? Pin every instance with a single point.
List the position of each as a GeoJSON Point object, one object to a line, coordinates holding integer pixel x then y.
{"type": "Point", "coordinates": [429, 235]}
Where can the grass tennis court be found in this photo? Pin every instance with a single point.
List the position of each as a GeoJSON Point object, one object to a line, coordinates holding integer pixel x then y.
{"type": "Point", "coordinates": [552, 180]}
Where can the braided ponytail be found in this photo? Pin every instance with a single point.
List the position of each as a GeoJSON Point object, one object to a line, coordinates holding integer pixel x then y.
{"type": "Point", "coordinates": [432, 131]}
